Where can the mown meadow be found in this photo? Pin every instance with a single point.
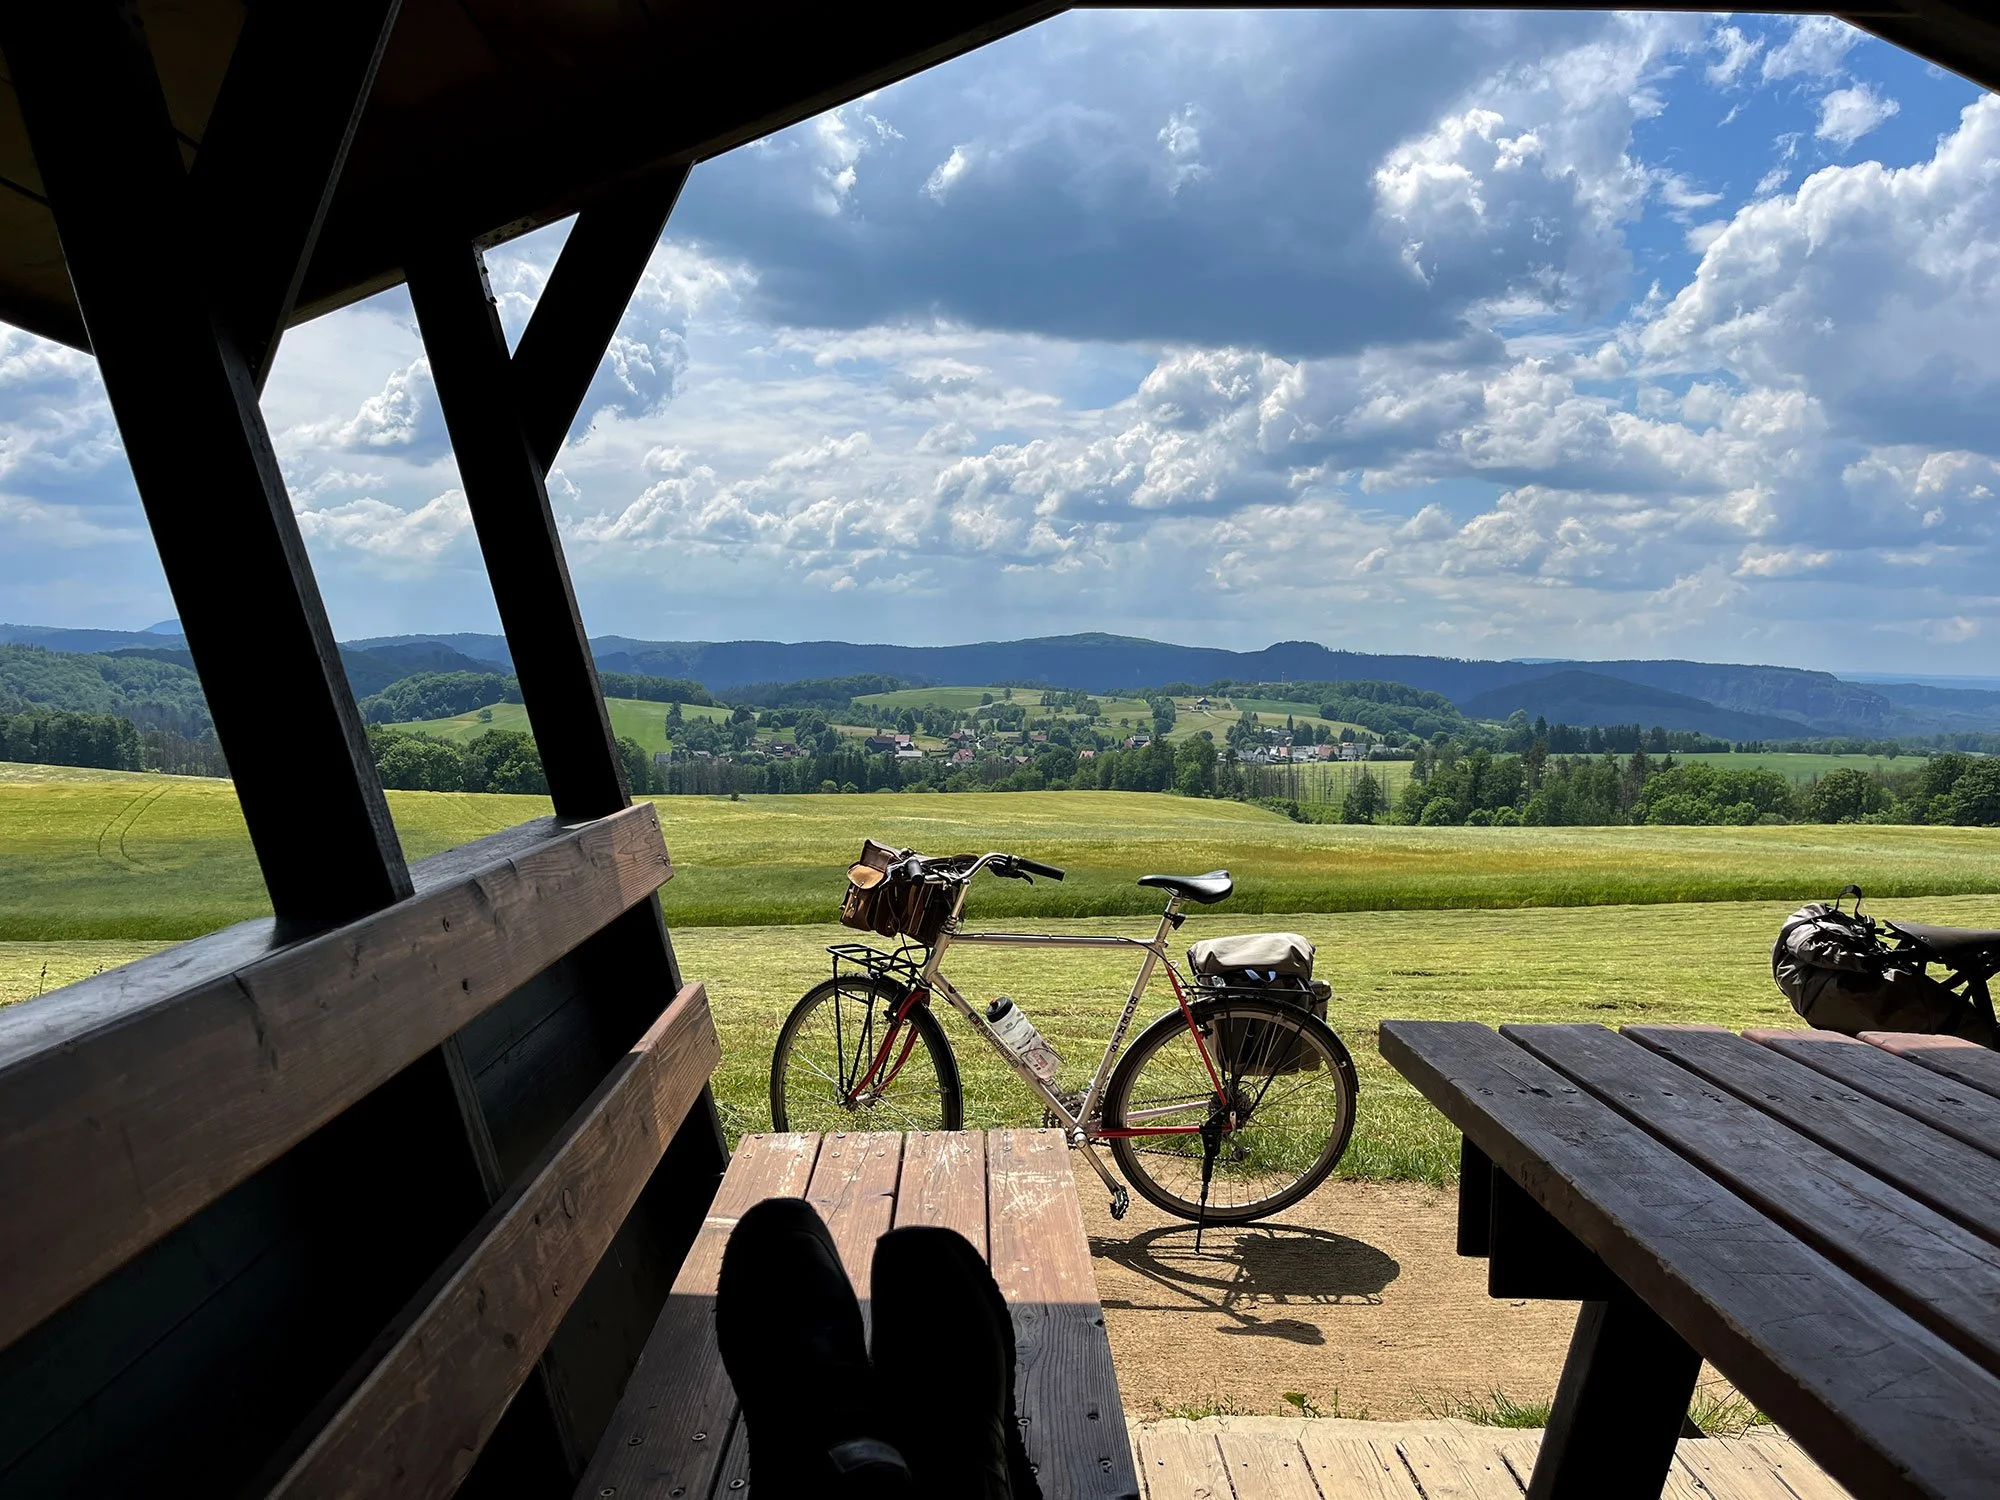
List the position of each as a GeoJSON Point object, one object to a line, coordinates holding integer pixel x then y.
{"type": "Point", "coordinates": [1608, 924]}
{"type": "Point", "coordinates": [133, 856]}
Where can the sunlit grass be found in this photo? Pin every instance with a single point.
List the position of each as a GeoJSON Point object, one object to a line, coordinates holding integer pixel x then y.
{"type": "Point", "coordinates": [151, 857]}
{"type": "Point", "coordinates": [1608, 964]}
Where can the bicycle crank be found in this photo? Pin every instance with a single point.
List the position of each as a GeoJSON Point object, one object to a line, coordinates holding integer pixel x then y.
{"type": "Point", "coordinates": [1121, 1200]}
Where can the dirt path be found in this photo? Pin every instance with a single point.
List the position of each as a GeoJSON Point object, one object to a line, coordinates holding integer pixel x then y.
{"type": "Point", "coordinates": [1354, 1297]}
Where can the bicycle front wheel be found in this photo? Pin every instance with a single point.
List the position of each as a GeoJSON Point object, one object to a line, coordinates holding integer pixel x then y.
{"type": "Point", "coordinates": [1285, 1107]}
{"type": "Point", "coordinates": [852, 1056]}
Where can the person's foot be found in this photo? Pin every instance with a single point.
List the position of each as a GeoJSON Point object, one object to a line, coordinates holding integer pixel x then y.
{"type": "Point", "coordinates": [789, 1329]}
{"type": "Point", "coordinates": [944, 1368]}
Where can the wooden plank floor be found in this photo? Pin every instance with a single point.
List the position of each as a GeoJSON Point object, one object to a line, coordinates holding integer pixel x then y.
{"type": "Point", "coordinates": [1284, 1458]}
{"type": "Point", "coordinates": [677, 1435]}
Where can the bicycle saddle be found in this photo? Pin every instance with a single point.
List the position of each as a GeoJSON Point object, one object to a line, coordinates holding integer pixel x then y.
{"type": "Point", "coordinates": [1207, 889]}
{"type": "Point", "coordinates": [1950, 943]}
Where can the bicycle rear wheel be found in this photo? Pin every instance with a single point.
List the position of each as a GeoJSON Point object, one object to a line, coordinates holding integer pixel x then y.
{"type": "Point", "coordinates": [845, 1062]}
{"type": "Point", "coordinates": [1287, 1105]}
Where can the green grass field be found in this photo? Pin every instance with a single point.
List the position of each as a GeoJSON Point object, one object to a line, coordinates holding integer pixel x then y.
{"type": "Point", "coordinates": [131, 856]}
{"type": "Point", "coordinates": [635, 718]}
{"type": "Point", "coordinates": [1613, 964]}
{"type": "Point", "coordinates": [98, 868]}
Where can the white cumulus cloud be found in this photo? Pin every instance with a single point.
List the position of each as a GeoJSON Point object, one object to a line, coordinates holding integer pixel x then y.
{"type": "Point", "coordinates": [1846, 115]}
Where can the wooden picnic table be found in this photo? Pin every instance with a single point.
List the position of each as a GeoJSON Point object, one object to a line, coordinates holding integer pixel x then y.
{"type": "Point", "coordinates": [1816, 1215]}
{"type": "Point", "coordinates": [676, 1434]}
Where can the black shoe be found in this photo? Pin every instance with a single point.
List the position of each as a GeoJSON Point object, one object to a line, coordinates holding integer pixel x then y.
{"type": "Point", "coordinates": [789, 1330]}
{"type": "Point", "coordinates": [944, 1368]}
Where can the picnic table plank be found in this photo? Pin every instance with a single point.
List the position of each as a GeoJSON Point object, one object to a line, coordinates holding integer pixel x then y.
{"type": "Point", "coordinates": [1933, 1268]}
{"type": "Point", "coordinates": [669, 1432]}
{"type": "Point", "coordinates": [1968, 1114]}
{"type": "Point", "coordinates": [1448, 1470]}
{"type": "Point", "coordinates": [1269, 1470]}
{"type": "Point", "coordinates": [1930, 1166]}
{"type": "Point", "coordinates": [1067, 1391]}
{"type": "Point", "coordinates": [1875, 1397]}
{"type": "Point", "coordinates": [1181, 1462]}
{"type": "Point", "coordinates": [1357, 1468]}
{"type": "Point", "coordinates": [944, 1183]}
{"type": "Point", "coordinates": [1962, 1061]}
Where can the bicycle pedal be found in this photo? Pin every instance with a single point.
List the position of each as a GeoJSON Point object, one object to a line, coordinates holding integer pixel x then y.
{"type": "Point", "coordinates": [1120, 1202]}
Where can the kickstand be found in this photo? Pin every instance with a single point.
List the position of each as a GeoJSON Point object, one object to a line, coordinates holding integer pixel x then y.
{"type": "Point", "coordinates": [1211, 1143]}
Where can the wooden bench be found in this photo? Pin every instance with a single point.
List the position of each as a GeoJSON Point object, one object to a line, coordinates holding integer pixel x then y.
{"type": "Point", "coordinates": [676, 1435]}
{"type": "Point", "coordinates": [1818, 1217]}
{"type": "Point", "coordinates": [195, 1150]}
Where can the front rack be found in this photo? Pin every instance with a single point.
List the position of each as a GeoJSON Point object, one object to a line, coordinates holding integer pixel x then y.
{"type": "Point", "coordinates": [898, 967]}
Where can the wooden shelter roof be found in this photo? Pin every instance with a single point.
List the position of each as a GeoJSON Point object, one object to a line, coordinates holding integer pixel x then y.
{"type": "Point", "coordinates": [493, 117]}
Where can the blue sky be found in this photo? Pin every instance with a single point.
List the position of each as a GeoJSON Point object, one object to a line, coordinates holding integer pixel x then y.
{"type": "Point", "coordinates": [1485, 334]}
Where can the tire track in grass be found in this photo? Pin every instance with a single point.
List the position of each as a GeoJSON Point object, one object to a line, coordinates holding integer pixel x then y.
{"type": "Point", "coordinates": [126, 818]}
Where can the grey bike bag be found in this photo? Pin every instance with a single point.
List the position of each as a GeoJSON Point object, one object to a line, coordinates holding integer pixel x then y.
{"type": "Point", "coordinates": [1272, 965]}
{"type": "Point", "coordinates": [1285, 955]}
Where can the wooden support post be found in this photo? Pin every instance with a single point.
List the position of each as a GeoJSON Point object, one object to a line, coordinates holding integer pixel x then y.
{"type": "Point", "coordinates": [1475, 1200]}
{"type": "Point", "coordinates": [506, 417]}
{"type": "Point", "coordinates": [1530, 1255]}
{"type": "Point", "coordinates": [579, 309]}
{"type": "Point", "coordinates": [183, 282]}
{"type": "Point", "coordinates": [509, 500]}
{"type": "Point", "coordinates": [186, 405]}
{"type": "Point", "coordinates": [271, 157]}
{"type": "Point", "coordinates": [1619, 1407]}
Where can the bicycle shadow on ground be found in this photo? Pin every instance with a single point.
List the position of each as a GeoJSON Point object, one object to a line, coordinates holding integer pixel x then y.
{"type": "Point", "coordinates": [1244, 1271]}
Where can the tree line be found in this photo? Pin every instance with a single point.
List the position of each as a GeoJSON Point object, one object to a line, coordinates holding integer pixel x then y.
{"type": "Point", "coordinates": [500, 760]}
{"type": "Point", "coordinates": [107, 742]}
{"type": "Point", "coordinates": [1479, 788]}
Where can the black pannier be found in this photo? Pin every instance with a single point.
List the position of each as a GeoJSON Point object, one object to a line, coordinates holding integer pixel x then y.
{"type": "Point", "coordinates": [1841, 975]}
{"type": "Point", "coordinates": [892, 904]}
{"type": "Point", "coordinates": [1272, 966]}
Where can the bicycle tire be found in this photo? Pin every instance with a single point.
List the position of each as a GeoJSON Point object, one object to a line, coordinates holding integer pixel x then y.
{"type": "Point", "coordinates": [865, 999]}
{"type": "Point", "coordinates": [1144, 1166]}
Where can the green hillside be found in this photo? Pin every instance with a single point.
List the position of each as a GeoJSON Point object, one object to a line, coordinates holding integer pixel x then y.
{"type": "Point", "coordinates": [631, 718]}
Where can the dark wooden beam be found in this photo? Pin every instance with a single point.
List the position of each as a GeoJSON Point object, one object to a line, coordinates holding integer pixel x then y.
{"type": "Point", "coordinates": [130, 1101]}
{"type": "Point", "coordinates": [186, 406]}
{"type": "Point", "coordinates": [625, 972]}
{"type": "Point", "coordinates": [272, 155]}
{"type": "Point", "coordinates": [579, 309]}
{"type": "Point", "coordinates": [430, 1395]}
{"type": "Point", "coordinates": [1619, 1406]}
{"type": "Point", "coordinates": [509, 501]}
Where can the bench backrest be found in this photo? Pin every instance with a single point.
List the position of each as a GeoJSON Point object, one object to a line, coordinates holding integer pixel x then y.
{"type": "Point", "coordinates": [236, 1163]}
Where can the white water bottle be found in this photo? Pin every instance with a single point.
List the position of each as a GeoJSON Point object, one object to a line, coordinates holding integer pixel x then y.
{"type": "Point", "coordinates": [1011, 1024]}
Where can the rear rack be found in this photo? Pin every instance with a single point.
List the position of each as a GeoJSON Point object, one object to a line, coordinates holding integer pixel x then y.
{"type": "Point", "coordinates": [897, 967]}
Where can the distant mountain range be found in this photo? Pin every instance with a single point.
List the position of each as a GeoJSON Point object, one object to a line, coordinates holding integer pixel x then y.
{"type": "Point", "coordinates": [1593, 698]}
{"type": "Point", "coordinates": [1733, 701]}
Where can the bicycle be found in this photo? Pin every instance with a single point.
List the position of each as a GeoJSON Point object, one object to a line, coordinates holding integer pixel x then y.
{"type": "Point", "coordinates": [1230, 1107]}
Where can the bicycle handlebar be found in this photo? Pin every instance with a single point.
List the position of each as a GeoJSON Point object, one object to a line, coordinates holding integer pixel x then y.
{"type": "Point", "coordinates": [958, 867]}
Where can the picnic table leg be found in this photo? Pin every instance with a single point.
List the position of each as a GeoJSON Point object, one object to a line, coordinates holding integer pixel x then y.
{"type": "Point", "coordinates": [1619, 1407]}
{"type": "Point", "coordinates": [1623, 1397]}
